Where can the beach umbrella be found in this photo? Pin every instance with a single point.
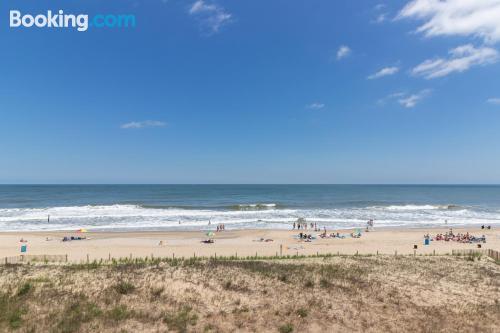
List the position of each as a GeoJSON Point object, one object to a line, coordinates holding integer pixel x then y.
{"type": "Point", "coordinates": [82, 230]}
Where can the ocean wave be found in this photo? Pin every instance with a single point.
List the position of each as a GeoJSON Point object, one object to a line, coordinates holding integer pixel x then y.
{"type": "Point", "coordinates": [256, 206]}
{"type": "Point", "coordinates": [417, 207]}
{"type": "Point", "coordinates": [115, 217]}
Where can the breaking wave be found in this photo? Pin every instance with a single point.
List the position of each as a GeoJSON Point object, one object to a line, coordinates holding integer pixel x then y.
{"type": "Point", "coordinates": [243, 216]}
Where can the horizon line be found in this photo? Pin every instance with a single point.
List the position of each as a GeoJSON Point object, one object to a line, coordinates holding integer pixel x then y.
{"type": "Point", "coordinates": [249, 184]}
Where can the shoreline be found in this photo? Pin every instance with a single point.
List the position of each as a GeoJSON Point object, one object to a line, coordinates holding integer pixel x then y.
{"type": "Point", "coordinates": [206, 228]}
{"type": "Point", "coordinates": [102, 245]}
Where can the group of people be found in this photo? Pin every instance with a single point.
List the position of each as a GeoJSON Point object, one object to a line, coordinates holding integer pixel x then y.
{"type": "Point", "coordinates": [369, 225]}
{"type": "Point", "coordinates": [221, 227]}
{"type": "Point", "coordinates": [304, 226]}
{"type": "Point", "coordinates": [72, 238]}
{"type": "Point", "coordinates": [459, 237]}
{"type": "Point", "coordinates": [301, 224]}
{"type": "Point", "coordinates": [306, 237]}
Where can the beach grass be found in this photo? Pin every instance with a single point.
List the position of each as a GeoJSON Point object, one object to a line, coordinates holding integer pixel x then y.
{"type": "Point", "coordinates": [278, 294]}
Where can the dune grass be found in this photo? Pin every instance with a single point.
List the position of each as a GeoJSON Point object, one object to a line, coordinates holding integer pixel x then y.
{"type": "Point", "coordinates": [281, 294]}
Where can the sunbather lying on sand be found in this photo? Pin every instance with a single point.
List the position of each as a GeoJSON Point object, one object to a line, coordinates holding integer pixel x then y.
{"type": "Point", "coordinates": [72, 238]}
{"type": "Point", "coordinates": [264, 240]}
{"type": "Point", "coordinates": [461, 238]}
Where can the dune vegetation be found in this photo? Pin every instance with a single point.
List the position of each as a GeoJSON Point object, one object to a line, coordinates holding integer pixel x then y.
{"type": "Point", "coordinates": [325, 294]}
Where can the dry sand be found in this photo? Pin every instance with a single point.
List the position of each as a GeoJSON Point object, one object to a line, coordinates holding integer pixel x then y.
{"type": "Point", "coordinates": [101, 245]}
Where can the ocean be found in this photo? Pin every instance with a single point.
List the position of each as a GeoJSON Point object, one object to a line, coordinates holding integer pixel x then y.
{"type": "Point", "coordinates": [192, 207]}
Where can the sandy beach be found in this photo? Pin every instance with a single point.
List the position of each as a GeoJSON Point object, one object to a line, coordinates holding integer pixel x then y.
{"type": "Point", "coordinates": [102, 245]}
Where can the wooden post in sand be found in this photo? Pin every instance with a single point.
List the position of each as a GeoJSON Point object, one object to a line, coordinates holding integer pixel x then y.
{"type": "Point", "coordinates": [109, 256]}
{"type": "Point", "coordinates": [173, 255]}
{"type": "Point", "coordinates": [281, 250]}
{"type": "Point", "coordinates": [434, 252]}
{"type": "Point", "coordinates": [87, 258]}
{"type": "Point", "coordinates": [377, 252]}
{"type": "Point", "coordinates": [66, 257]}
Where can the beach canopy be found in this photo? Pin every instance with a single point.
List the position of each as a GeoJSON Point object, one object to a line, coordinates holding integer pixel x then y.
{"type": "Point", "coordinates": [82, 230]}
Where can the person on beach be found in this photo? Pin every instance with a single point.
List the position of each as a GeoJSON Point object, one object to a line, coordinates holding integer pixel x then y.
{"type": "Point", "coordinates": [293, 226]}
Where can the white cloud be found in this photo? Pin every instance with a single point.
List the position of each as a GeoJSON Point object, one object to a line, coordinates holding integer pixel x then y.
{"type": "Point", "coordinates": [410, 101]}
{"type": "Point", "coordinates": [343, 52]}
{"type": "Point", "coordinates": [384, 72]}
{"type": "Point", "coordinates": [381, 18]}
{"type": "Point", "coordinates": [405, 99]}
{"type": "Point", "coordinates": [210, 15]}
{"type": "Point", "coordinates": [143, 124]}
{"type": "Point", "coordinates": [315, 106]}
{"type": "Point", "coordinates": [494, 100]}
{"type": "Point", "coordinates": [461, 59]}
{"type": "Point", "coordinates": [479, 18]}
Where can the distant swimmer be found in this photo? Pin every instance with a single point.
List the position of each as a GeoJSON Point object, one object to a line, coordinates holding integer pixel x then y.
{"type": "Point", "coordinates": [48, 218]}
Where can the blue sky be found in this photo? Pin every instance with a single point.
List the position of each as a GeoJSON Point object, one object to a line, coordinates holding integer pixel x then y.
{"type": "Point", "coordinates": [254, 92]}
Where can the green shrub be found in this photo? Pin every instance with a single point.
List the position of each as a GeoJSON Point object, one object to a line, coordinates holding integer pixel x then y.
{"type": "Point", "coordinates": [119, 313]}
{"type": "Point", "coordinates": [302, 312]}
{"type": "Point", "coordinates": [180, 320]}
{"type": "Point", "coordinates": [124, 288]}
{"type": "Point", "coordinates": [287, 328]}
{"type": "Point", "coordinates": [24, 289]}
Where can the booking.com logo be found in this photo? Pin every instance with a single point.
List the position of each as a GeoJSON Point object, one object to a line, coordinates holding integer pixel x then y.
{"type": "Point", "coordinates": [80, 22]}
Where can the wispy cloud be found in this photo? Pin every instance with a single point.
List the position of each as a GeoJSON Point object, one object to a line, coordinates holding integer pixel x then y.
{"type": "Point", "coordinates": [143, 124]}
{"type": "Point", "coordinates": [380, 12]}
{"type": "Point", "coordinates": [315, 106]}
{"type": "Point", "coordinates": [343, 52]}
{"type": "Point", "coordinates": [380, 18]}
{"type": "Point", "coordinates": [461, 59]}
{"type": "Point", "coordinates": [210, 15]}
{"type": "Point", "coordinates": [412, 100]}
{"type": "Point", "coordinates": [384, 72]}
{"type": "Point", "coordinates": [405, 99]}
{"type": "Point", "coordinates": [494, 100]}
{"type": "Point", "coordinates": [479, 18]}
